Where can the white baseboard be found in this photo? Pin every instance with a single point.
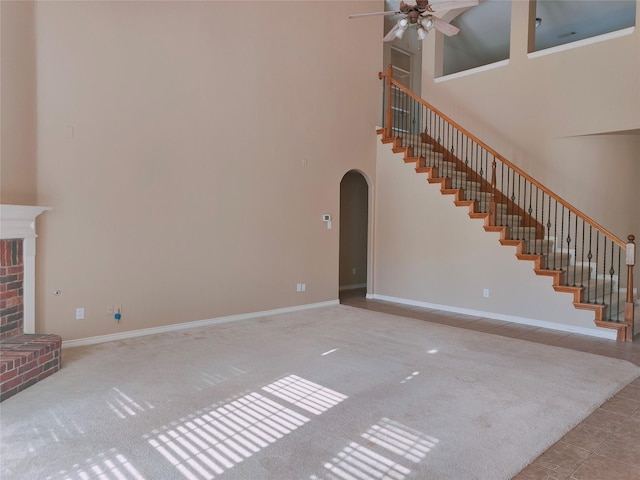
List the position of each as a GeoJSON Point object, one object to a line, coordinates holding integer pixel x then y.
{"type": "Point", "coordinates": [355, 286]}
{"type": "Point", "coordinates": [600, 332]}
{"type": "Point", "coordinates": [198, 323]}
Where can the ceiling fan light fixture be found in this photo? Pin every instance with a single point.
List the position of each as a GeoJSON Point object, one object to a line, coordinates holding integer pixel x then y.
{"type": "Point", "coordinates": [422, 33]}
{"type": "Point", "coordinates": [427, 22]}
{"type": "Point", "coordinates": [403, 24]}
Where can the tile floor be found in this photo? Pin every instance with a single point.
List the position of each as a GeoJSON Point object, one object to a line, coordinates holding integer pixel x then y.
{"type": "Point", "coordinates": [605, 446]}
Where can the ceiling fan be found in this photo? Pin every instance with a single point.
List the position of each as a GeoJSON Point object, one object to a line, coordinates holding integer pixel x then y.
{"type": "Point", "coordinates": [420, 15]}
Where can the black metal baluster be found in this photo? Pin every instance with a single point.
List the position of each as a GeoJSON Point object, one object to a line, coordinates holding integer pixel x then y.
{"type": "Point", "coordinates": [548, 244]}
{"type": "Point", "coordinates": [513, 197]}
{"type": "Point", "coordinates": [405, 111]}
{"type": "Point", "coordinates": [595, 282]}
{"type": "Point", "coordinates": [590, 254]}
{"type": "Point", "coordinates": [612, 272]}
{"type": "Point", "coordinates": [575, 259]}
{"type": "Point", "coordinates": [618, 303]}
{"type": "Point", "coordinates": [454, 175]}
{"type": "Point", "coordinates": [466, 159]}
{"type": "Point", "coordinates": [575, 248]}
{"type": "Point", "coordinates": [535, 218]}
{"type": "Point", "coordinates": [503, 221]}
{"type": "Point", "coordinates": [546, 262]}
{"type": "Point", "coordinates": [569, 248]}
{"type": "Point", "coordinates": [555, 233]}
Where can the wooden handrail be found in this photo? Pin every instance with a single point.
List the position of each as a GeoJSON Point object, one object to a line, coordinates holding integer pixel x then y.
{"type": "Point", "coordinates": [584, 217]}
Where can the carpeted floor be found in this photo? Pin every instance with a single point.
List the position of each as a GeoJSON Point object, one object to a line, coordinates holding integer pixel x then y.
{"type": "Point", "coordinates": [329, 393]}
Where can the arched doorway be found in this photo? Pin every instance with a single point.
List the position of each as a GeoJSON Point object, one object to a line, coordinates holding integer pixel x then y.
{"type": "Point", "coordinates": [354, 228]}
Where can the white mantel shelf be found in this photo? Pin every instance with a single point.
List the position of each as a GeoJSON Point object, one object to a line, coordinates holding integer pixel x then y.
{"type": "Point", "coordinates": [19, 222]}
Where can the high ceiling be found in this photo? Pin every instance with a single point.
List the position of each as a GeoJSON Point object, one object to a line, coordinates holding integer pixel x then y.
{"type": "Point", "coordinates": [485, 29]}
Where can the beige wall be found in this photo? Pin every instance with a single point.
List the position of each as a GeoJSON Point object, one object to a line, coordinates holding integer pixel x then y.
{"type": "Point", "coordinates": [17, 103]}
{"type": "Point", "coordinates": [540, 113]}
{"type": "Point", "coordinates": [430, 251]}
{"type": "Point", "coordinates": [208, 140]}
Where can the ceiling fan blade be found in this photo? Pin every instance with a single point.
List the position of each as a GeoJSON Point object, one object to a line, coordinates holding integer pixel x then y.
{"type": "Point", "coordinates": [391, 35]}
{"type": "Point", "coordinates": [356, 15]}
{"type": "Point", "coordinates": [444, 27]}
{"type": "Point", "coordinates": [452, 5]}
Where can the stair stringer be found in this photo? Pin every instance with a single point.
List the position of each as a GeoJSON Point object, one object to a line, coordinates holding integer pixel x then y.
{"type": "Point", "coordinates": [459, 200]}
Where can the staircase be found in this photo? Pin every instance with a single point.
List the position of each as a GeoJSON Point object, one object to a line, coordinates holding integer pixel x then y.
{"type": "Point", "coordinates": [582, 257]}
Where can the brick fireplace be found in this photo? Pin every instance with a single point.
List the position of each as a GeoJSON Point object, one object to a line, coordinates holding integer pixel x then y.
{"type": "Point", "coordinates": [25, 356]}
{"type": "Point", "coordinates": [11, 288]}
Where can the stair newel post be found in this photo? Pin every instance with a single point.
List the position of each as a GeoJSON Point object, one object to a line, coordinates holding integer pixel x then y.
{"type": "Point", "coordinates": [628, 307]}
{"type": "Point", "coordinates": [492, 203]}
{"type": "Point", "coordinates": [387, 110]}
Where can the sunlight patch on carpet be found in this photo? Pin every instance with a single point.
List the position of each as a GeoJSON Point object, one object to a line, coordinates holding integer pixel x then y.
{"type": "Point", "coordinates": [401, 440]}
{"type": "Point", "coordinates": [210, 442]}
{"type": "Point", "coordinates": [124, 406]}
{"type": "Point", "coordinates": [307, 395]}
{"type": "Point", "coordinates": [357, 462]}
{"type": "Point", "coordinates": [105, 465]}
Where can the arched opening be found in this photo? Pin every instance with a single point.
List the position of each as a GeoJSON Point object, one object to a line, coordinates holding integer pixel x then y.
{"type": "Point", "coordinates": [354, 228]}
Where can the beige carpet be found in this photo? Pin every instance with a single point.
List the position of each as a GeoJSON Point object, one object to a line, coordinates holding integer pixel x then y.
{"type": "Point", "coordinates": [332, 393]}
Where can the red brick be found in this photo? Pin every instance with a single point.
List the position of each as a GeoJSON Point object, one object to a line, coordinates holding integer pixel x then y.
{"type": "Point", "coordinates": [45, 358]}
{"type": "Point", "coordinates": [9, 294]}
{"type": "Point", "coordinates": [8, 375]}
{"type": "Point", "coordinates": [32, 373]}
{"type": "Point", "coordinates": [9, 384]}
{"type": "Point", "coordinates": [26, 359]}
{"type": "Point", "coordinates": [48, 373]}
{"type": "Point", "coordinates": [27, 366]}
{"type": "Point", "coordinates": [14, 301]}
{"type": "Point", "coordinates": [17, 269]}
{"type": "Point", "coordinates": [15, 359]}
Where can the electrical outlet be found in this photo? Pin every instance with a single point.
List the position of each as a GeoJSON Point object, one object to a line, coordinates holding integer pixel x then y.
{"type": "Point", "coordinates": [353, 271]}
{"type": "Point", "coordinates": [485, 293]}
{"type": "Point", "coordinates": [80, 313]}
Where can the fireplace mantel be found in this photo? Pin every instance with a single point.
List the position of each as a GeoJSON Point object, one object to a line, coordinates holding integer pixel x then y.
{"type": "Point", "coordinates": [19, 222]}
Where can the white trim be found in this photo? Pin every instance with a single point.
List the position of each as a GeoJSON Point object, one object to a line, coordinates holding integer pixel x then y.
{"type": "Point", "coordinates": [198, 323]}
{"type": "Point", "coordinates": [600, 332]}
{"type": "Point", "coordinates": [472, 71]}
{"type": "Point", "coordinates": [581, 43]}
{"type": "Point", "coordinates": [355, 286]}
{"type": "Point", "coordinates": [18, 221]}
